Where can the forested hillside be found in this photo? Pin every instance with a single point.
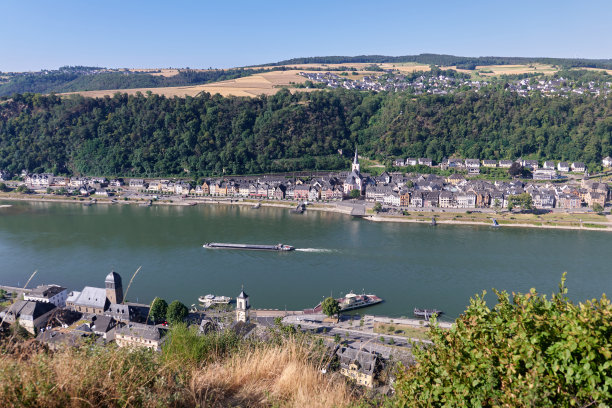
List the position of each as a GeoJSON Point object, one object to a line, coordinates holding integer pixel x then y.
{"type": "Point", "coordinates": [210, 135]}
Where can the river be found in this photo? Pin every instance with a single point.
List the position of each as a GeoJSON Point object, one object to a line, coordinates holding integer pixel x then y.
{"type": "Point", "coordinates": [409, 265]}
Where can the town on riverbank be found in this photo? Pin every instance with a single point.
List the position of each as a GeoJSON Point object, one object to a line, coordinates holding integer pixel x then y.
{"type": "Point", "coordinates": [559, 194]}
{"type": "Point", "coordinates": [58, 317]}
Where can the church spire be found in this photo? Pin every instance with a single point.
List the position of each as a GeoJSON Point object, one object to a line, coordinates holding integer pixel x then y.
{"type": "Point", "coordinates": [355, 166]}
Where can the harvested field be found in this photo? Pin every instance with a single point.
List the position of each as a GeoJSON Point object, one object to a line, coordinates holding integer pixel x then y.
{"type": "Point", "coordinates": [266, 83]}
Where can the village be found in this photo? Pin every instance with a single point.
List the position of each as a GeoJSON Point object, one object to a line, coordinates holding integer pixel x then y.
{"type": "Point", "coordinates": [559, 186]}
{"type": "Point", "coordinates": [444, 84]}
{"type": "Point", "coordinates": [58, 317]}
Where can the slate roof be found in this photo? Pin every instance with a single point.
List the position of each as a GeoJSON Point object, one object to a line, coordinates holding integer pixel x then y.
{"type": "Point", "coordinates": [46, 291]}
{"type": "Point", "coordinates": [142, 331]}
{"type": "Point", "coordinates": [90, 297]}
{"type": "Point", "coordinates": [366, 361]}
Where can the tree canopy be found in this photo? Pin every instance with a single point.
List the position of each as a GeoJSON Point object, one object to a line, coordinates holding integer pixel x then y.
{"type": "Point", "coordinates": [330, 307]}
{"type": "Point", "coordinates": [526, 351]}
{"type": "Point", "coordinates": [159, 309]}
{"type": "Point", "coordinates": [154, 136]}
{"type": "Point", "coordinates": [177, 312]}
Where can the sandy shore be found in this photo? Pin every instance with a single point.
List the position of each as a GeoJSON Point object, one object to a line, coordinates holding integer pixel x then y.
{"type": "Point", "coordinates": [334, 207]}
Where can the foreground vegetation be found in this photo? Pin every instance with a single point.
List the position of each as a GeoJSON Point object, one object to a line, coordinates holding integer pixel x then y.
{"type": "Point", "coordinates": [211, 135]}
{"type": "Point", "coordinates": [216, 370]}
{"type": "Point", "coordinates": [526, 351]}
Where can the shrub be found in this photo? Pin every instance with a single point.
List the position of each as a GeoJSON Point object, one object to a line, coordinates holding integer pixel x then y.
{"type": "Point", "coordinates": [526, 351]}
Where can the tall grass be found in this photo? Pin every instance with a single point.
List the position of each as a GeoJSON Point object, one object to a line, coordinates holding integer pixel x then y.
{"type": "Point", "coordinates": [214, 370]}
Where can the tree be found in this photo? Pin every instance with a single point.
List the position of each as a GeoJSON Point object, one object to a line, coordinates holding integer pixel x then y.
{"type": "Point", "coordinates": [177, 312]}
{"type": "Point", "coordinates": [3, 187]}
{"type": "Point", "coordinates": [496, 205]}
{"type": "Point", "coordinates": [22, 189]}
{"type": "Point", "coordinates": [159, 309]}
{"type": "Point", "coordinates": [330, 307]}
{"type": "Point", "coordinates": [355, 193]}
{"type": "Point", "coordinates": [515, 169]}
{"type": "Point", "coordinates": [597, 208]}
{"type": "Point", "coordinates": [526, 350]}
{"type": "Point", "coordinates": [377, 207]}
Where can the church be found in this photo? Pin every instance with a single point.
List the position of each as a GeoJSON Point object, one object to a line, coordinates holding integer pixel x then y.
{"type": "Point", "coordinates": [354, 181]}
{"type": "Point", "coordinates": [101, 301]}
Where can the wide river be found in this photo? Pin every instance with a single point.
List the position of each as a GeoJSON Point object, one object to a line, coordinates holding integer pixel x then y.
{"type": "Point", "coordinates": [406, 264]}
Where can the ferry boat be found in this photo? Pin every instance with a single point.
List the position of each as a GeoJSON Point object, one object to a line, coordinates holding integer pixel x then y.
{"type": "Point", "coordinates": [210, 299]}
{"type": "Point", "coordinates": [350, 302]}
{"type": "Point", "coordinates": [277, 247]}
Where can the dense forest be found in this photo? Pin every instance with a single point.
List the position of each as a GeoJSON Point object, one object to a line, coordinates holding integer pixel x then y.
{"type": "Point", "coordinates": [448, 60]}
{"type": "Point", "coordinates": [212, 135]}
{"type": "Point", "coordinates": [73, 79]}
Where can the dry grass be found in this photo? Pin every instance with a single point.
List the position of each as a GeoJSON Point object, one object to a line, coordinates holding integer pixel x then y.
{"type": "Point", "coordinates": [274, 375]}
{"type": "Point", "coordinates": [283, 374]}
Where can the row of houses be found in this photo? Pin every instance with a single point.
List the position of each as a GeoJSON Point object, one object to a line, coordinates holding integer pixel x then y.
{"type": "Point", "coordinates": [473, 165]}
{"type": "Point", "coordinates": [455, 191]}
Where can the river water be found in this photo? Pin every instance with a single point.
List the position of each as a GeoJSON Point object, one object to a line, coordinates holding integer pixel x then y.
{"type": "Point", "coordinates": [408, 265]}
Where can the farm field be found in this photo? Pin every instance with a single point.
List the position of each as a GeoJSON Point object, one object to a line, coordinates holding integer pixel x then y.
{"type": "Point", "coordinates": [267, 83]}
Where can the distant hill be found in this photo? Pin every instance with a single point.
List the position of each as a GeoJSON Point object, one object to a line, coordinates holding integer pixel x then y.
{"type": "Point", "coordinates": [73, 79]}
{"type": "Point", "coordinates": [450, 60]}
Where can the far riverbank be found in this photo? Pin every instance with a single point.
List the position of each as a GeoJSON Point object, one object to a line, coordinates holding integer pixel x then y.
{"type": "Point", "coordinates": [563, 221]}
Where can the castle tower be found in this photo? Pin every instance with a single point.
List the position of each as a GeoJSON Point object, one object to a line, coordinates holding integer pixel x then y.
{"type": "Point", "coordinates": [355, 166]}
{"type": "Point", "coordinates": [114, 289]}
{"type": "Point", "coordinates": [242, 307]}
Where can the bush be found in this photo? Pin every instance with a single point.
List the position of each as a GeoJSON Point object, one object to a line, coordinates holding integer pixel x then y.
{"type": "Point", "coordinates": [525, 351]}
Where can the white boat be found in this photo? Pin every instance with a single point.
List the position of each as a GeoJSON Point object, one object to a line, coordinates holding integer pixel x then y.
{"type": "Point", "coordinates": [210, 299]}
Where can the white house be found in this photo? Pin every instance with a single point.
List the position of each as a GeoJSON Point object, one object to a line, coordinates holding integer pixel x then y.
{"type": "Point", "coordinates": [607, 161]}
{"type": "Point", "coordinates": [54, 294]}
{"type": "Point", "coordinates": [563, 166]}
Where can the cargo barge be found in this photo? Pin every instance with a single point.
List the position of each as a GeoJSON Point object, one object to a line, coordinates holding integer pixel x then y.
{"type": "Point", "coordinates": [277, 247]}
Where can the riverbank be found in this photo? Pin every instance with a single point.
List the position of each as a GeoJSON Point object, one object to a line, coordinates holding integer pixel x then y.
{"type": "Point", "coordinates": [376, 218]}
{"type": "Point", "coordinates": [588, 224]}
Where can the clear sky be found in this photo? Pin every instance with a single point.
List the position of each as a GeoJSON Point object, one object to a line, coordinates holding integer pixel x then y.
{"type": "Point", "coordinates": [206, 33]}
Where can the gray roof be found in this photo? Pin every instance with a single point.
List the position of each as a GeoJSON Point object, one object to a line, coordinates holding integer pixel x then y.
{"type": "Point", "coordinates": [366, 361]}
{"type": "Point", "coordinates": [102, 324]}
{"type": "Point", "coordinates": [113, 277]}
{"type": "Point", "coordinates": [142, 331]}
{"type": "Point", "coordinates": [90, 297]}
{"type": "Point", "coordinates": [118, 311]}
{"type": "Point", "coordinates": [29, 309]}
{"type": "Point", "coordinates": [46, 291]}
{"type": "Point", "coordinates": [242, 295]}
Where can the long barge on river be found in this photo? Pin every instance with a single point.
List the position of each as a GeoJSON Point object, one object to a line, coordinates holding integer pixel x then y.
{"type": "Point", "coordinates": [255, 247]}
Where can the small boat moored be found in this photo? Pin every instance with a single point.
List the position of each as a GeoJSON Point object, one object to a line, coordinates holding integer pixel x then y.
{"type": "Point", "coordinates": [433, 222]}
{"type": "Point", "coordinates": [495, 223]}
{"type": "Point", "coordinates": [427, 313]}
{"type": "Point", "coordinates": [209, 300]}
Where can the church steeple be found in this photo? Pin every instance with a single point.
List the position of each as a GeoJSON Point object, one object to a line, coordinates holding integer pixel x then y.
{"type": "Point", "coordinates": [355, 166]}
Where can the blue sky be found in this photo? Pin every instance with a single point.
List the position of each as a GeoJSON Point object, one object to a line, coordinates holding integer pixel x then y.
{"type": "Point", "coordinates": [201, 34]}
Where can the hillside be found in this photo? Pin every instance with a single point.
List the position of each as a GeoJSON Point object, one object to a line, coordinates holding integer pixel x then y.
{"type": "Point", "coordinates": [170, 82]}
{"type": "Point", "coordinates": [212, 135]}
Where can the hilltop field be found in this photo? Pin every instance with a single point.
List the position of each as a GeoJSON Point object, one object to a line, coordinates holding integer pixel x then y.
{"type": "Point", "coordinates": [269, 83]}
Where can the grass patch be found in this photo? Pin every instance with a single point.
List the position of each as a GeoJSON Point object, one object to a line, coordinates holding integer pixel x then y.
{"type": "Point", "coordinates": [421, 333]}
{"type": "Point", "coordinates": [589, 225]}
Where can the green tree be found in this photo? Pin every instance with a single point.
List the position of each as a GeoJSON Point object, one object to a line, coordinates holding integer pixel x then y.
{"type": "Point", "coordinates": [330, 307]}
{"type": "Point", "coordinates": [3, 187]}
{"type": "Point", "coordinates": [515, 169]}
{"type": "Point", "coordinates": [355, 193]}
{"type": "Point", "coordinates": [527, 350]}
{"type": "Point", "coordinates": [177, 312]}
{"type": "Point", "coordinates": [496, 205]}
{"type": "Point", "coordinates": [159, 309]}
{"type": "Point", "coordinates": [597, 208]}
{"type": "Point", "coordinates": [377, 207]}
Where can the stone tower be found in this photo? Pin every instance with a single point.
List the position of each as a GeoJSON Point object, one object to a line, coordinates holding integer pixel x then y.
{"type": "Point", "coordinates": [355, 166]}
{"type": "Point", "coordinates": [242, 307]}
{"type": "Point", "coordinates": [114, 289]}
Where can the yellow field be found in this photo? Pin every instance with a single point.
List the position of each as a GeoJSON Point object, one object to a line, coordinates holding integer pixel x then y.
{"type": "Point", "coordinates": [267, 83]}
